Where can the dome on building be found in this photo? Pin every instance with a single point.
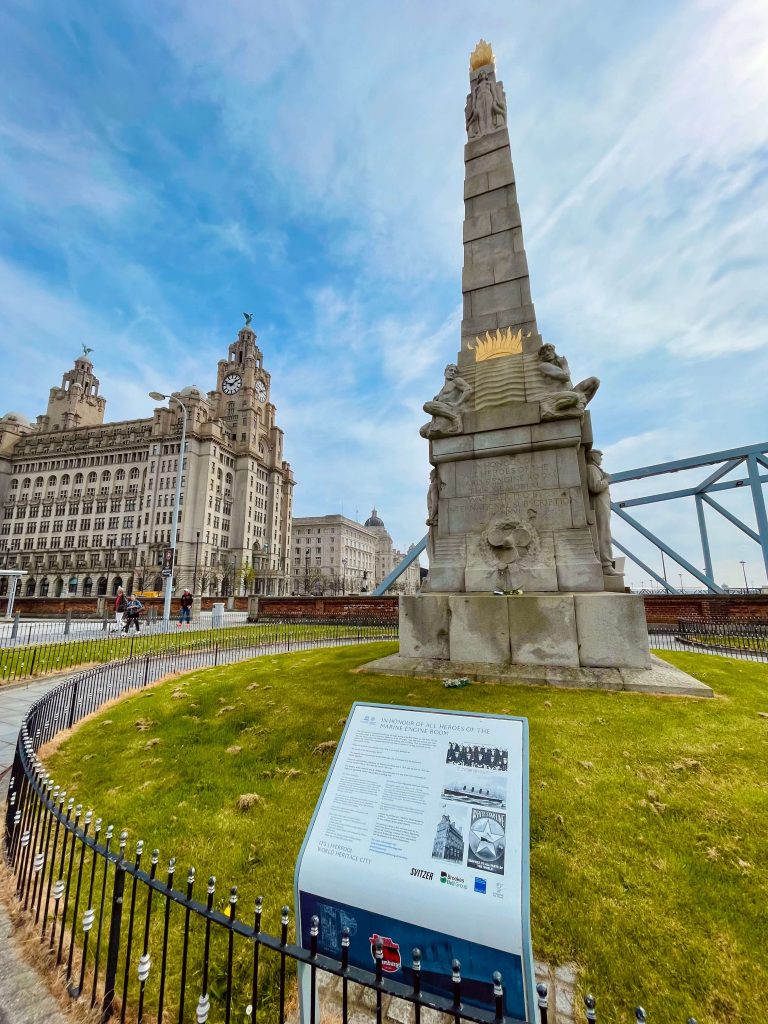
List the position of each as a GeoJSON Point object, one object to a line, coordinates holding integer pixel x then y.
{"type": "Point", "coordinates": [373, 519]}
{"type": "Point", "coordinates": [191, 391]}
{"type": "Point", "coordinates": [15, 417]}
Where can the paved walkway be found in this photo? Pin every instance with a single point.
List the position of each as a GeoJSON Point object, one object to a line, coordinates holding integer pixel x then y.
{"type": "Point", "coordinates": [23, 998]}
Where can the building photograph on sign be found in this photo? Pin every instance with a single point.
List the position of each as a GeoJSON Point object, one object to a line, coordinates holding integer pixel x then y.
{"type": "Point", "coordinates": [420, 839]}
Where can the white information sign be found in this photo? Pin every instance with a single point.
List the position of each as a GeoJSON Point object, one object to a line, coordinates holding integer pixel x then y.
{"type": "Point", "coordinates": [420, 838]}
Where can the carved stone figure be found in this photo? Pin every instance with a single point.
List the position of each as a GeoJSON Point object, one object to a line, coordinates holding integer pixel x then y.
{"type": "Point", "coordinates": [486, 108]}
{"type": "Point", "coordinates": [600, 503]}
{"type": "Point", "coordinates": [445, 407]}
{"type": "Point", "coordinates": [511, 541]}
{"type": "Point", "coordinates": [433, 497]}
{"type": "Point", "coordinates": [433, 500]}
{"type": "Point", "coordinates": [566, 399]}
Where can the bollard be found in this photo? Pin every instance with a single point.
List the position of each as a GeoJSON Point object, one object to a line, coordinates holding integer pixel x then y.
{"type": "Point", "coordinates": [67, 622]}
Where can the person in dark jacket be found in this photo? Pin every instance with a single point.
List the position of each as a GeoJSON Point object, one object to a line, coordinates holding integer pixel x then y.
{"type": "Point", "coordinates": [186, 609]}
{"type": "Point", "coordinates": [133, 612]}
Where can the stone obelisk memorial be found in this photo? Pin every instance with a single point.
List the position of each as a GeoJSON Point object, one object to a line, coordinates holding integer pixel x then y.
{"type": "Point", "coordinates": [521, 580]}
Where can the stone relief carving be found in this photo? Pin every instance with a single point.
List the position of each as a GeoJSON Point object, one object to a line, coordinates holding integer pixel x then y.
{"type": "Point", "coordinates": [486, 109]}
{"type": "Point", "coordinates": [566, 400]}
{"type": "Point", "coordinates": [446, 407]}
{"type": "Point", "coordinates": [511, 540]}
{"type": "Point", "coordinates": [433, 501]}
{"type": "Point", "coordinates": [600, 504]}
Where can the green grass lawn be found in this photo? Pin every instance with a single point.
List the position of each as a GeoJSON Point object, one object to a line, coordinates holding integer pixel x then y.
{"type": "Point", "coordinates": [649, 815]}
{"type": "Point", "coordinates": [38, 659]}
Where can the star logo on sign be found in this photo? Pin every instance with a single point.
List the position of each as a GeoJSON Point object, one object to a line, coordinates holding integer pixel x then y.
{"type": "Point", "coordinates": [486, 838]}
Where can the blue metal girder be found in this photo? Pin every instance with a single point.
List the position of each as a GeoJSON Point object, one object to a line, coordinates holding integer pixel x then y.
{"type": "Point", "coordinates": [412, 555]}
{"type": "Point", "coordinates": [722, 471]}
{"type": "Point", "coordinates": [759, 502]}
{"type": "Point", "coordinates": [675, 555]}
{"type": "Point", "coordinates": [646, 568]}
{"type": "Point", "coordinates": [685, 492]}
{"type": "Point", "coordinates": [704, 538]}
{"type": "Point", "coordinates": [762, 460]}
{"type": "Point", "coordinates": [731, 517]}
{"type": "Point", "coordinates": [692, 463]}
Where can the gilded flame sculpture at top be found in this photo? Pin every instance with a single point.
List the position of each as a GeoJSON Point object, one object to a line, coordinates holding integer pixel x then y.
{"type": "Point", "coordinates": [481, 55]}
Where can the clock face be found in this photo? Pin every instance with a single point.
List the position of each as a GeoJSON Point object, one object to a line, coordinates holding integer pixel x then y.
{"type": "Point", "coordinates": [232, 384]}
{"type": "Point", "coordinates": [261, 391]}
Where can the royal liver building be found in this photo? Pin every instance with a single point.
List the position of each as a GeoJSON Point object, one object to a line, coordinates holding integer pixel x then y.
{"type": "Point", "coordinates": [87, 505]}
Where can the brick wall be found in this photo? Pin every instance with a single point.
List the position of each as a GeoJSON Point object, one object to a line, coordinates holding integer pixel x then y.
{"type": "Point", "coordinates": [334, 608]}
{"type": "Point", "coordinates": [671, 607]}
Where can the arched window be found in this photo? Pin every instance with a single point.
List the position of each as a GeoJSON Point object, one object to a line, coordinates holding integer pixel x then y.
{"type": "Point", "coordinates": [58, 586]}
{"type": "Point", "coordinates": [120, 474]}
{"type": "Point", "coordinates": [106, 476]}
{"type": "Point", "coordinates": [51, 481]}
{"type": "Point", "coordinates": [15, 484]}
{"type": "Point", "coordinates": [158, 584]}
{"type": "Point", "coordinates": [44, 587]}
{"type": "Point", "coordinates": [30, 588]}
{"type": "Point", "coordinates": [3, 585]}
{"type": "Point", "coordinates": [25, 484]}
{"type": "Point", "coordinates": [134, 474]}
{"type": "Point", "coordinates": [101, 586]}
{"type": "Point", "coordinates": [229, 478]}
{"type": "Point", "coordinates": [39, 482]}
{"type": "Point", "coordinates": [65, 480]}
{"type": "Point", "coordinates": [87, 586]}
{"type": "Point", "coordinates": [116, 582]}
{"type": "Point", "coordinates": [212, 587]}
{"type": "Point", "coordinates": [78, 478]}
{"type": "Point", "coordinates": [91, 478]}
{"type": "Point", "coordinates": [72, 585]}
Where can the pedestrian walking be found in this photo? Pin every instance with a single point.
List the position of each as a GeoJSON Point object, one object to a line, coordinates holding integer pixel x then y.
{"type": "Point", "coordinates": [133, 612]}
{"type": "Point", "coordinates": [120, 606]}
{"type": "Point", "coordinates": [186, 609]}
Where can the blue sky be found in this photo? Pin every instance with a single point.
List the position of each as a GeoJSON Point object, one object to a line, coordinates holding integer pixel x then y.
{"type": "Point", "coordinates": [165, 166]}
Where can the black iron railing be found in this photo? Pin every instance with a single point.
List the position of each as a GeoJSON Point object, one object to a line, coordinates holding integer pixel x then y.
{"type": "Point", "coordinates": [52, 652]}
{"type": "Point", "coordinates": [134, 943]}
{"type": "Point", "coordinates": [742, 637]}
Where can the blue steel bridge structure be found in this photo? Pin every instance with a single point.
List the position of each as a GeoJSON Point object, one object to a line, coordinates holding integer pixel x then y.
{"type": "Point", "coordinates": [734, 468]}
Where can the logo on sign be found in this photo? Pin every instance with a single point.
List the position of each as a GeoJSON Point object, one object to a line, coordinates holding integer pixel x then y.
{"type": "Point", "coordinates": [456, 881]}
{"type": "Point", "coordinates": [391, 953]}
{"type": "Point", "coordinates": [421, 873]}
{"type": "Point", "coordinates": [480, 885]}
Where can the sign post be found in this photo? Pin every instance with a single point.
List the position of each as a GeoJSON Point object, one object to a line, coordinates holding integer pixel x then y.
{"type": "Point", "coordinates": [420, 838]}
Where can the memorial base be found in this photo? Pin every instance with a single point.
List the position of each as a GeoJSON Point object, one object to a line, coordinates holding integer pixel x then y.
{"type": "Point", "coordinates": [661, 678]}
{"type": "Point", "coordinates": [593, 641]}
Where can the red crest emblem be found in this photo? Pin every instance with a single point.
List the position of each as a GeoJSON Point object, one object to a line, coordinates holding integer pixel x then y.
{"type": "Point", "coordinates": [391, 953]}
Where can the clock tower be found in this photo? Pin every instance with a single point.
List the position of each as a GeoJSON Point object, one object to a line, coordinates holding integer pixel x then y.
{"type": "Point", "coordinates": [243, 383]}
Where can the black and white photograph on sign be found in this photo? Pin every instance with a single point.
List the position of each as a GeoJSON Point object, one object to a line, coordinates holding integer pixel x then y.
{"type": "Point", "coordinates": [487, 840]}
{"type": "Point", "coordinates": [488, 758]}
{"type": "Point", "coordinates": [449, 840]}
{"type": "Point", "coordinates": [475, 787]}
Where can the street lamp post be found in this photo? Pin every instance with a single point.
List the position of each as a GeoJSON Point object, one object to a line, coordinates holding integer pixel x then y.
{"type": "Point", "coordinates": [744, 571]}
{"type": "Point", "coordinates": [194, 574]}
{"type": "Point", "coordinates": [159, 397]}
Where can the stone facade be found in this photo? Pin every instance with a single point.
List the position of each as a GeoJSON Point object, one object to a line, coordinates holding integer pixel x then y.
{"type": "Point", "coordinates": [333, 554]}
{"type": "Point", "coordinates": [87, 505]}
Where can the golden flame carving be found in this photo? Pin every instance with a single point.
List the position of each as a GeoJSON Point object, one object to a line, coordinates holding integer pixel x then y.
{"type": "Point", "coordinates": [481, 55]}
{"type": "Point", "coordinates": [500, 343]}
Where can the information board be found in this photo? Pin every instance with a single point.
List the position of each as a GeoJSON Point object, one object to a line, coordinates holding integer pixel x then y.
{"type": "Point", "coordinates": [420, 838]}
